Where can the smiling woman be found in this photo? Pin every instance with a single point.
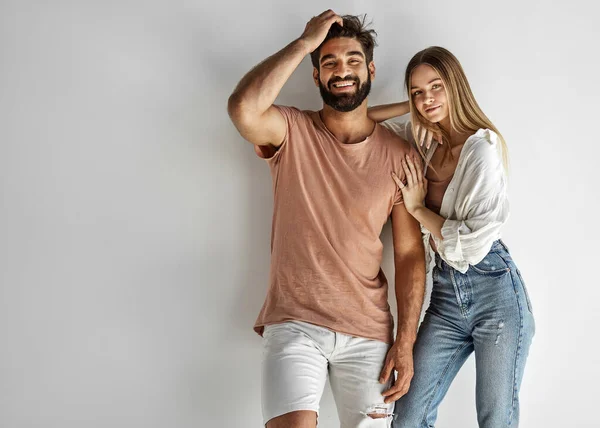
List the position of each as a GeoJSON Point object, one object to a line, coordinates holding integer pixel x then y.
{"type": "Point", "coordinates": [479, 302]}
{"type": "Point", "coordinates": [428, 94]}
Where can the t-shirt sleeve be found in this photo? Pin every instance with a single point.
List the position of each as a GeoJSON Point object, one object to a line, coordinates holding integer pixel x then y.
{"type": "Point", "coordinates": [398, 199]}
{"type": "Point", "coordinates": [270, 152]}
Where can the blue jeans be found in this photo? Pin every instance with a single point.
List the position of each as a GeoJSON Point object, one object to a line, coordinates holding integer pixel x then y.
{"type": "Point", "coordinates": [486, 310]}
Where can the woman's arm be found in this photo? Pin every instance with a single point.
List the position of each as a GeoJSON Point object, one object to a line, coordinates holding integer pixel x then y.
{"type": "Point", "coordinates": [387, 111]}
{"type": "Point", "coordinates": [414, 192]}
{"type": "Point", "coordinates": [433, 222]}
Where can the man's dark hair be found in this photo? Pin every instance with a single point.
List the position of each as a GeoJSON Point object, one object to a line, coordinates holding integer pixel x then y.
{"type": "Point", "coordinates": [354, 28]}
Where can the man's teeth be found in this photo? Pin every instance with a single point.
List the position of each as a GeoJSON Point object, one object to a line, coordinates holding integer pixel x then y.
{"type": "Point", "coordinates": [341, 85]}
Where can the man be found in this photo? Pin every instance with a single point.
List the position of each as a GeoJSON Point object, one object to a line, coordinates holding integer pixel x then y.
{"type": "Point", "coordinates": [326, 310]}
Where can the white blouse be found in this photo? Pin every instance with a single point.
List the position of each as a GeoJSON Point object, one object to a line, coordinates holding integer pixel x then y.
{"type": "Point", "coordinates": [475, 204]}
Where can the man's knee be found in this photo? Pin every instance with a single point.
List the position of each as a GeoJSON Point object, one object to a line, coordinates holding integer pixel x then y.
{"type": "Point", "coordinates": [298, 419]}
{"type": "Point", "coordinates": [378, 415]}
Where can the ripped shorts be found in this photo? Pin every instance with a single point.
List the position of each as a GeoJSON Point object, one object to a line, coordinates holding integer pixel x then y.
{"type": "Point", "coordinates": [298, 357]}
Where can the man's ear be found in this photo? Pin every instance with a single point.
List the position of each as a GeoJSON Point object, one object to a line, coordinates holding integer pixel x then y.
{"type": "Point", "coordinates": [316, 76]}
{"type": "Point", "coordinates": [372, 70]}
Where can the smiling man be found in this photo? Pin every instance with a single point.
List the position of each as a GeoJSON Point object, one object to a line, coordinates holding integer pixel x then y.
{"type": "Point", "coordinates": [326, 312]}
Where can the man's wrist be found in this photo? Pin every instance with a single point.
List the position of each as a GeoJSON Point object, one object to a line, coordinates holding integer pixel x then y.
{"type": "Point", "coordinates": [302, 45]}
{"type": "Point", "coordinates": [405, 342]}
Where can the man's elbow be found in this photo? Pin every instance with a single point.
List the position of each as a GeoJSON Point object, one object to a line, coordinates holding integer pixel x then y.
{"type": "Point", "coordinates": [413, 254]}
{"type": "Point", "coordinates": [240, 115]}
{"type": "Point", "coordinates": [235, 107]}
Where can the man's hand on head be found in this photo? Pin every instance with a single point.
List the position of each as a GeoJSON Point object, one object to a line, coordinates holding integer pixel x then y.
{"type": "Point", "coordinates": [316, 29]}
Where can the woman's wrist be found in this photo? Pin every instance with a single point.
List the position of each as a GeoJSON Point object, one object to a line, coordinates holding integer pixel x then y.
{"type": "Point", "coordinates": [417, 210]}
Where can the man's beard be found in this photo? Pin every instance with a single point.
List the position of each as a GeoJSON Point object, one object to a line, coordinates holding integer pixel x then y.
{"type": "Point", "coordinates": [345, 102]}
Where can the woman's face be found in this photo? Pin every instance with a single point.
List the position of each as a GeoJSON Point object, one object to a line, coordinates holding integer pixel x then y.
{"type": "Point", "coordinates": [428, 93]}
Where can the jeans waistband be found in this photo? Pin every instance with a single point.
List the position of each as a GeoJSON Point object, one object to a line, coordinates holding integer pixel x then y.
{"type": "Point", "coordinates": [497, 245]}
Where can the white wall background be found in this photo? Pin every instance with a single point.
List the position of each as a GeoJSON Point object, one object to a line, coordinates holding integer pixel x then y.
{"type": "Point", "coordinates": [134, 221]}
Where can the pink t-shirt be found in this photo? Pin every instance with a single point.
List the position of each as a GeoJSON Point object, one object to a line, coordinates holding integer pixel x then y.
{"type": "Point", "coordinates": [331, 201]}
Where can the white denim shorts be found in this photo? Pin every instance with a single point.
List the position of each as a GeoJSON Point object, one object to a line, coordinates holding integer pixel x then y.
{"type": "Point", "coordinates": [297, 359]}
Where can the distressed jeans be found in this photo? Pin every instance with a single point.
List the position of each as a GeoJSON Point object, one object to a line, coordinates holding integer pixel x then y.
{"type": "Point", "coordinates": [487, 311]}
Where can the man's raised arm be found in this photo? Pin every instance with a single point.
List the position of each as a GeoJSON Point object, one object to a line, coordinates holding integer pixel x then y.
{"type": "Point", "coordinates": [250, 106]}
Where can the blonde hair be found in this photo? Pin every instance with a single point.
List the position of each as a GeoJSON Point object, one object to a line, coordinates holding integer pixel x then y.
{"type": "Point", "coordinates": [464, 112]}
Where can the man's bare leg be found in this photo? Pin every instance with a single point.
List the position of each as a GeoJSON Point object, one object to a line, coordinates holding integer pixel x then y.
{"type": "Point", "coordinates": [298, 419]}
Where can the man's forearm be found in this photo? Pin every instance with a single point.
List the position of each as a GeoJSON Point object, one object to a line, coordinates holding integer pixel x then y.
{"type": "Point", "coordinates": [410, 292]}
{"type": "Point", "coordinates": [258, 89]}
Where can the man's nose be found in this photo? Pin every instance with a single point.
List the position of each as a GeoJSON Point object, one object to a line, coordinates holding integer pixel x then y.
{"type": "Point", "coordinates": [342, 70]}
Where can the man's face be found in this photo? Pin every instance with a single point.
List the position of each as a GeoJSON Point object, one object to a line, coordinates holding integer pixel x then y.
{"type": "Point", "coordinates": [345, 78]}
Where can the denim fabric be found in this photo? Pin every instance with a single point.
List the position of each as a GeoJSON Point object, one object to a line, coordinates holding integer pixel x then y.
{"type": "Point", "coordinates": [487, 311]}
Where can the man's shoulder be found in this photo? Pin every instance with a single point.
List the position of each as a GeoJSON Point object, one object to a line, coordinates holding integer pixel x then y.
{"type": "Point", "coordinates": [293, 114]}
{"type": "Point", "coordinates": [391, 138]}
{"type": "Point", "coordinates": [294, 110]}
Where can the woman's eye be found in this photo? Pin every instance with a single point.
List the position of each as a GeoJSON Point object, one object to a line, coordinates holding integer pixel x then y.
{"type": "Point", "coordinates": [436, 86]}
{"type": "Point", "coordinates": [416, 93]}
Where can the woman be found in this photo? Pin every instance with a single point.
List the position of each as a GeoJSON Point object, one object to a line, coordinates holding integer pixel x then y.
{"type": "Point", "coordinates": [478, 302]}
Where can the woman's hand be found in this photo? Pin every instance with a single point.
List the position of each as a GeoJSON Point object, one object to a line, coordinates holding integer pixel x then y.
{"type": "Point", "coordinates": [424, 136]}
{"type": "Point", "coordinates": [415, 189]}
